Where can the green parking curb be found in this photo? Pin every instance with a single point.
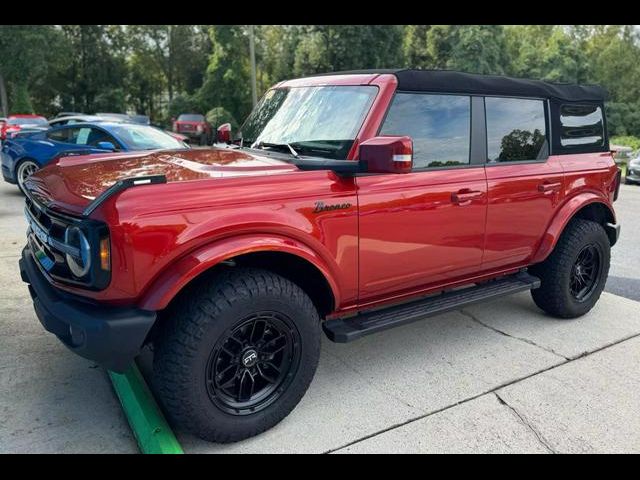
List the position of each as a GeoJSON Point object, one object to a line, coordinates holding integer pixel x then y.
{"type": "Point", "coordinates": [149, 426]}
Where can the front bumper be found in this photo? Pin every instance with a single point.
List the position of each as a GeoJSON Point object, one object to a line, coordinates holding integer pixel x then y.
{"type": "Point", "coordinates": [110, 336]}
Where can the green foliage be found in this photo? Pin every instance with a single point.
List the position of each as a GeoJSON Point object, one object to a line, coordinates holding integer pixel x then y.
{"type": "Point", "coordinates": [20, 101]}
{"type": "Point", "coordinates": [183, 103]}
{"type": "Point", "coordinates": [165, 70]}
{"type": "Point", "coordinates": [218, 115]}
{"type": "Point", "coordinates": [626, 141]}
{"type": "Point", "coordinates": [227, 81]}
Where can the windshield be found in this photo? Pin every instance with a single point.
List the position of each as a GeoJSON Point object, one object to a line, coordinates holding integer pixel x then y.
{"type": "Point", "coordinates": [140, 137]}
{"type": "Point", "coordinates": [186, 117]}
{"type": "Point", "coordinates": [319, 121]}
{"type": "Point", "coordinates": [27, 121]}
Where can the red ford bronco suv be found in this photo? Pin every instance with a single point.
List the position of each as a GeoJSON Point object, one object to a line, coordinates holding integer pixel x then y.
{"type": "Point", "coordinates": [350, 203]}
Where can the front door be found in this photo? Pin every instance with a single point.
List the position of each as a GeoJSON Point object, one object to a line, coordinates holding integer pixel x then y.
{"type": "Point", "coordinates": [424, 228]}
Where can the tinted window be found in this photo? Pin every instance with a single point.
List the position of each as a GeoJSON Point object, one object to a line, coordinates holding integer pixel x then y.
{"type": "Point", "coordinates": [581, 125]}
{"type": "Point", "coordinates": [440, 126]}
{"type": "Point", "coordinates": [186, 117]}
{"type": "Point", "coordinates": [516, 129]}
{"type": "Point", "coordinates": [59, 135]}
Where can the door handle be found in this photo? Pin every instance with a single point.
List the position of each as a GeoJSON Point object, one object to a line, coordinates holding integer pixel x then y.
{"type": "Point", "coordinates": [464, 197]}
{"type": "Point", "coordinates": [549, 187]}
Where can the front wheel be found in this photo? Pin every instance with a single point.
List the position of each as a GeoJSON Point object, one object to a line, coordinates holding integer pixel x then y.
{"type": "Point", "coordinates": [25, 169]}
{"type": "Point", "coordinates": [237, 354]}
{"type": "Point", "coordinates": [574, 274]}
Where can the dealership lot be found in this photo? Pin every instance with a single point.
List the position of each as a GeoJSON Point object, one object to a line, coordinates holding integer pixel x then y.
{"type": "Point", "coordinates": [497, 377]}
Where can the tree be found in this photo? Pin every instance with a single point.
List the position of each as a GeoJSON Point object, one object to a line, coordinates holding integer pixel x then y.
{"type": "Point", "coordinates": [178, 51]}
{"type": "Point", "coordinates": [28, 55]}
{"type": "Point", "coordinates": [227, 81]}
{"type": "Point", "coordinates": [96, 68]}
{"type": "Point", "coordinates": [343, 47]}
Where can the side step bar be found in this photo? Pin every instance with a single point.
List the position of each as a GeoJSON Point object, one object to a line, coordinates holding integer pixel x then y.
{"type": "Point", "coordinates": [352, 328]}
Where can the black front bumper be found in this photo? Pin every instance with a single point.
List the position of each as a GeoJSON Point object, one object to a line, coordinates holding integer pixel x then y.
{"type": "Point", "coordinates": [110, 336]}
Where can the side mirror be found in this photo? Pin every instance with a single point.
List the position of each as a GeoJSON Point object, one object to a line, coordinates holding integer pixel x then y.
{"type": "Point", "coordinates": [387, 154]}
{"type": "Point", "coordinates": [106, 146]}
{"type": "Point", "coordinates": [223, 134]}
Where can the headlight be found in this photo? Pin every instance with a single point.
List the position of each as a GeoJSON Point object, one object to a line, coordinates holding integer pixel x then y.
{"type": "Point", "coordinates": [75, 237]}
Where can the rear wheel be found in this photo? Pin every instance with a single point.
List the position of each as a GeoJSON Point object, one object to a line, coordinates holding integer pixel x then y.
{"type": "Point", "coordinates": [574, 275]}
{"type": "Point", "coordinates": [25, 169]}
{"type": "Point", "coordinates": [237, 354]}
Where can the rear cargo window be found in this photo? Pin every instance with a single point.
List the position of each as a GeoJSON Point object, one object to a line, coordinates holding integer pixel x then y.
{"type": "Point", "coordinates": [516, 129]}
{"type": "Point", "coordinates": [439, 125]}
{"type": "Point", "coordinates": [582, 125]}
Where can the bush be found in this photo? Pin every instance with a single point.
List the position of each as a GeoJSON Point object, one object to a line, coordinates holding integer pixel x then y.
{"type": "Point", "coordinates": [218, 115]}
{"type": "Point", "coordinates": [626, 141]}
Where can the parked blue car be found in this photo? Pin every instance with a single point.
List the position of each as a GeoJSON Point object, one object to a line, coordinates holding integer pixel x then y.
{"type": "Point", "coordinates": [26, 153]}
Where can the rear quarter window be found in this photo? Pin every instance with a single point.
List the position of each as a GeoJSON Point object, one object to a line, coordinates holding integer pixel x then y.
{"type": "Point", "coordinates": [581, 125]}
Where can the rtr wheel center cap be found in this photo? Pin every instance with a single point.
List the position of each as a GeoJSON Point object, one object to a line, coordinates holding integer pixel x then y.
{"type": "Point", "coordinates": [249, 358]}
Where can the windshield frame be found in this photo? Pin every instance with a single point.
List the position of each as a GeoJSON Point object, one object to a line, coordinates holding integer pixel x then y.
{"type": "Point", "coordinates": [321, 152]}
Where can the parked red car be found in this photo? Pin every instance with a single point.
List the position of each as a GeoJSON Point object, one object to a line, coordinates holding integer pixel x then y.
{"type": "Point", "coordinates": [350, 203]}
{"type": "Point", "coordinates": [194, 126]}
{"type": "Point", "coordinates": [14, 123]}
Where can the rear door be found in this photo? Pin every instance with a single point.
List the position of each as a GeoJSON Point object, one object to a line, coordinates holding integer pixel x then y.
{"type": "Point", "coordinates": [525, 184]}
{"type": "Point", "coordinates": [424, 228]}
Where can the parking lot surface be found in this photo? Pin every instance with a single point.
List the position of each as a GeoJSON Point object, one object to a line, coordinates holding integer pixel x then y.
{"type": "Point", "coordinates": [497, 377]}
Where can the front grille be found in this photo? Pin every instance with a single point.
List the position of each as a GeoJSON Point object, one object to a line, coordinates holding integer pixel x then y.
{"type": "Point", "coordinates": [46, 239]}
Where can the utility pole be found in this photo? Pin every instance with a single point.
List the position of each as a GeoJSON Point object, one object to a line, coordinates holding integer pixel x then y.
{"type": "Point", "coordinates": [252, 54]}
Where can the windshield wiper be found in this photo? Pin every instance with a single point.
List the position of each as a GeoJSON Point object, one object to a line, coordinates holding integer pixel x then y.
{"type": "Point", "coordinates": [262, 145]}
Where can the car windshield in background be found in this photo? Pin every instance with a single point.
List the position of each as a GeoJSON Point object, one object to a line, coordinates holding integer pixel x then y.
{"type": "Point", "coordinates": [186, 117]}
{"type": "Point", "coordinates": [317, 121]}
{"type": "Point", "coordinates": [140, 137]}
{"type": "Point", "coordinates": [28, 121]}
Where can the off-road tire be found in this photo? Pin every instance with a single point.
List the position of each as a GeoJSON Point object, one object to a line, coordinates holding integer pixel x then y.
{"type": "Point", "coordinates": [199, 319]}
{"type": "Point", "coordinates": [554, 295]}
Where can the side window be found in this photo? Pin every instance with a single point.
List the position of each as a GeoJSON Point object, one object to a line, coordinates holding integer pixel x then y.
{"type": "Point", "coordinates": [516, 129]}
{"type": "Point", "coordinates": [61, 135]}
{"type": "Point", "coordinates": [582, 125]}
{"type": "Point", "coordinates": [79, 135]}
{"type": "Point", "coordinates": [96, 136]}
{"type": "Point", "coordinates": [440, 126]}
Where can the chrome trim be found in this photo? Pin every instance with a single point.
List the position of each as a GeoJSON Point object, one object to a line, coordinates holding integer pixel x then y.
{"type": "Point", "coordinates": [43, 235]}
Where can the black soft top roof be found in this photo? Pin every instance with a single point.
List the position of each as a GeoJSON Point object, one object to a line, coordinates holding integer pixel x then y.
{"type": "Point", "coordinates": [460, 82]}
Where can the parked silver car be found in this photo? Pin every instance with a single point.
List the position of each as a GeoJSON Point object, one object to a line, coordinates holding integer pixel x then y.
{"type": "Point", "coordinates": [633, 171]}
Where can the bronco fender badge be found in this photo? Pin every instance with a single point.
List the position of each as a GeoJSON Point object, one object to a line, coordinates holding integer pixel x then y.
{"type": "Point", "coordinates": [321, 207]}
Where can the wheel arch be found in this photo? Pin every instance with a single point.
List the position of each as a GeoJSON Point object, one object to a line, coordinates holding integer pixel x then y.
{"type": "Point", "coordinates": [286, 257]}
{"type": "Point", "coordinates": [588, 206]}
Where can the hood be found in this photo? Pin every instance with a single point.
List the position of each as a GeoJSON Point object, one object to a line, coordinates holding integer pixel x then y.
{"type": "Point", "coordinates": [73, 182]}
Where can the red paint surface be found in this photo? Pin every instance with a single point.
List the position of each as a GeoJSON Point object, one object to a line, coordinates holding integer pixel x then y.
{"type": "Point", "coordinates": [403, 235]}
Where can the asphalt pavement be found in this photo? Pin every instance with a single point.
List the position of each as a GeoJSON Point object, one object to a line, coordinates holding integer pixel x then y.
{"type": "Point", "coordinates": [498, 377]}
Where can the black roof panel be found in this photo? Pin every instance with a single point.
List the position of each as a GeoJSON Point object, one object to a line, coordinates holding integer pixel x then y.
{"type": "Point", "coordinates": [449, 81]}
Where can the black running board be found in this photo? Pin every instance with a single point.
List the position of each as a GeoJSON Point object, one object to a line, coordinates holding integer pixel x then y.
{"type": "Point", "coordinates": [352, 328]}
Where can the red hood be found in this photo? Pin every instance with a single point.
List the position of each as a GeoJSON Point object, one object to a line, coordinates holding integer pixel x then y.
{"type": "Point", "coordinates": [73, 182]}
